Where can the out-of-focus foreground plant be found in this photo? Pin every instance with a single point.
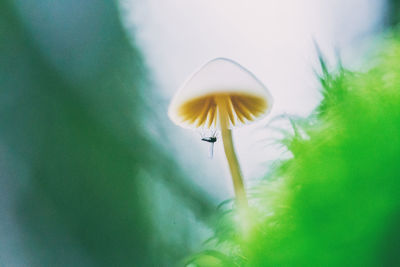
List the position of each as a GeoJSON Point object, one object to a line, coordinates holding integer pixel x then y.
{"type": "Point", "coordinates": [83, 182]}
{"type": "Point", "coordinates": [336, 201]}
{"type": "Point", "coordinates": [392, 17]}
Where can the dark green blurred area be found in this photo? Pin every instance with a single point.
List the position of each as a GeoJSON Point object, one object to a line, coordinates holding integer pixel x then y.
{"type": "Point", "coordinates": [83, 183]}
{"type": "Point", "coordinates": [393, 12]}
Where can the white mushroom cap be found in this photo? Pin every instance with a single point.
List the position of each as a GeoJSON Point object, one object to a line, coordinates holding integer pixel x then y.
{"type": "Point", "coordinates": [220, 92]}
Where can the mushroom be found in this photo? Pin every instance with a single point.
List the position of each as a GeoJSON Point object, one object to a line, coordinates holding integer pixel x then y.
{"type": "Point", "coordinates": [222, 95]}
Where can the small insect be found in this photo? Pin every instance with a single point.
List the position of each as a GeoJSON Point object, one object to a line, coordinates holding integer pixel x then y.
{"type": "Point", "coordinates": [211, 139]}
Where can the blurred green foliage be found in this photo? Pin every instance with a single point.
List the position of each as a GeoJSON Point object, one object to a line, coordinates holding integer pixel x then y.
{"type": "Point", "coordinates": [393, 12]}
{"type": "Point", "coordinates": [86, 179]}
{"type": "Point", "coordinates": [336, 201]}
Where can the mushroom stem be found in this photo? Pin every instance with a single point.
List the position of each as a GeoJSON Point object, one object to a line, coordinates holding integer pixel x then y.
{"type": "Point", "coordinates": [233, 162]}
{"type": "Point", "coordinates": [234, 168]}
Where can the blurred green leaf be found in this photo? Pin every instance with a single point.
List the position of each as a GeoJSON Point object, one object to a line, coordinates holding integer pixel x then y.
{"type": "Point", "coordinates": [75, 113]}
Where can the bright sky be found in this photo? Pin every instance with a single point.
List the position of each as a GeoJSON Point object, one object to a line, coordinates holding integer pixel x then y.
{"type": "Point", "coordinates": [273, 39]}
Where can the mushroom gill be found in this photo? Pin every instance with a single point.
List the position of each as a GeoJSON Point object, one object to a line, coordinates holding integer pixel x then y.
{"type": "Point", "coordinates": [234, 109]}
